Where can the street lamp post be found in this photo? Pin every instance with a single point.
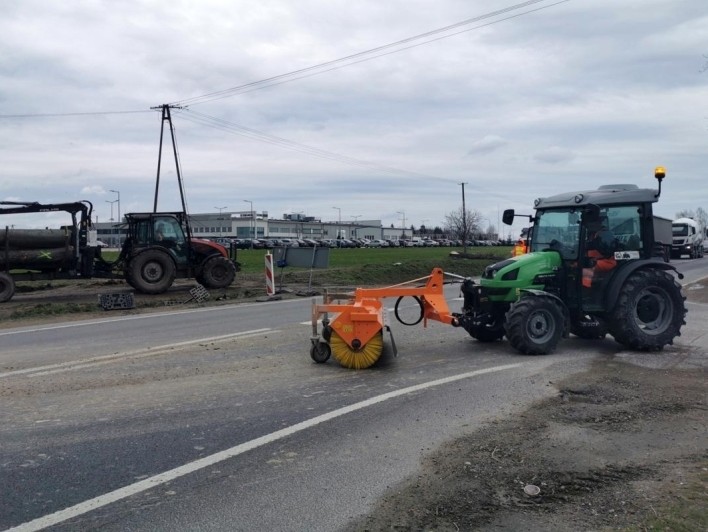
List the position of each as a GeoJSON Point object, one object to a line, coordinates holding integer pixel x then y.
{"type": "Point", "coordinates": [356, 222]}
{"type": "Point", "coordinates": [111, 202]}
{"type": "Point", "coordinates": [118, 200]}
{"type": "Point", "coordinates": [252, 224]}
{"type": "Point", "coordinates": [339, 223]}
{"type": "Point", "coordinates": [403, 214]}
{"type": "Point", "coordinates": [220, 209]}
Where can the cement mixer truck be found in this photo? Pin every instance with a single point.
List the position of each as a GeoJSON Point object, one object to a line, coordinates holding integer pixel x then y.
{"type": "Point", "coordinates": [688, 237]}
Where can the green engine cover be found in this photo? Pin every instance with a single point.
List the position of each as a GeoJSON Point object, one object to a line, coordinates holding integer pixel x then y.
{"type": "Point", "coordinates": [503, 281]}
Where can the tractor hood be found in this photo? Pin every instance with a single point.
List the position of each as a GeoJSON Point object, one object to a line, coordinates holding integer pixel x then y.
{"type": "Point", "coordinates": [206, 247]}
{"type": "Point", "coordinates": [503, 279]}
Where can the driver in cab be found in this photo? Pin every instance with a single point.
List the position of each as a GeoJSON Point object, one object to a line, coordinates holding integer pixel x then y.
{"type": "Point", "coordinates": [160, 232]}
{"type": "Point", "coordinates": [600, 250]}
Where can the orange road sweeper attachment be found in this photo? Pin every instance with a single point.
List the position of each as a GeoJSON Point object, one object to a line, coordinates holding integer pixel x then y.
{"type": "Point", "coordinates": [355, 335]}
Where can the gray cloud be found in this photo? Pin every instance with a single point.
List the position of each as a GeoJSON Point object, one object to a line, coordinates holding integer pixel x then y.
{"type": "Point", "coordinates": [589, 92]}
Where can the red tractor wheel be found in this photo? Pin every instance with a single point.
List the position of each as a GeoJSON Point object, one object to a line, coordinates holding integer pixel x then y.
{"type": "Point", "coordinates": [217, 272]}
{"type": "Point", "coordinates": [152, 272]}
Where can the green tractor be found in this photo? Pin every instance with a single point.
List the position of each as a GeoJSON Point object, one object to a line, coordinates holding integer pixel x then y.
{"type": "Point", "coordinates": [593, 268]}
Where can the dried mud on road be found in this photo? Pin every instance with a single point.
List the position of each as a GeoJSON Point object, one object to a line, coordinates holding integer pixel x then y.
{"type": "Point", "coordinates": [621, 446]}
{"type": "Point", "coordinates": [615, 448]}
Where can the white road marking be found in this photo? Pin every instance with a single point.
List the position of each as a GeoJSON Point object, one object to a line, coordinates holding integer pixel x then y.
{"type": "Point", "coordinates": [85, 323]}
{"type": "Point", "coordinates": [138, 353]}
{"type": "Point", "coordinates": [207, 461]}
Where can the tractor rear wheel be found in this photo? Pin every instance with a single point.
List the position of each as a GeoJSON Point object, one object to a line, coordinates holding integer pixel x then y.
{"type": "Point", "coordinates": [152, 272]}
{"type": "Point", "coordinates": [7, 287]}
{"type": "Point", "coordinates": [217, 272]}
{"type": "Point", "coordinates": [649, 312]}
{"type": "Point", "coordinates": [534, 324]}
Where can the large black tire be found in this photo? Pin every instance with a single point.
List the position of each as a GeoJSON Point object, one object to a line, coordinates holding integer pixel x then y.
{"type": "Point", "coordinates": [217, 272]}
{"type": "Point", "coordinates": [151, 272]}
{"type": "Point", "coordinates": [7, 287]}
{"type": "Point", "coordinates": [649, 312]}
{"type": "Point", "coordinates": [535, 324]}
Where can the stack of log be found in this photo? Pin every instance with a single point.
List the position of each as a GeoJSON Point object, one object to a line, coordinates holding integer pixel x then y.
{"type": "Point", "coordinates": [35, 249]}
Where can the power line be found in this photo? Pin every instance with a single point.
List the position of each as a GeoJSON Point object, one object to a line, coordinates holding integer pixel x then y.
{"type": "Point", "coordinates": [94, 113]}
{"type": "Point", "coordinates": [254, 134]}
{"type": "Point", "coordinates": [367, 55]}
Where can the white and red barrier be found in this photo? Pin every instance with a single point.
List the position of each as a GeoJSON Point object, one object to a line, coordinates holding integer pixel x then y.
{"type": "Point", "coordinates": [270, 276]}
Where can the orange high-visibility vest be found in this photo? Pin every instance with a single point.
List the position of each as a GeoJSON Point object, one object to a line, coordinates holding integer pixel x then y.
{"type": "Point", "coordinates": [519, 249]}
{"type": "Point", "coordinates": [602, 264]}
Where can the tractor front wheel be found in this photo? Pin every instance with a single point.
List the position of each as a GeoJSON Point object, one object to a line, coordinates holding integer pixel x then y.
{"type": "Point", "coordinates": [649, 312]}
{"type": "Point", "coordinates": [534, 324]}
{"type": "Point", "coordinates": [152, 272]}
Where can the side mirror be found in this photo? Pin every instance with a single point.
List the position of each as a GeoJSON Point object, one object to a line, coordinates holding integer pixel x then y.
{"type": "Point", "coordinates": [508, 216]}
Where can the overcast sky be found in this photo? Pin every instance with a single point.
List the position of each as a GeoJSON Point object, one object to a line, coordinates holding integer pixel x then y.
{"type": "Point", "coordinates": [532, 101]}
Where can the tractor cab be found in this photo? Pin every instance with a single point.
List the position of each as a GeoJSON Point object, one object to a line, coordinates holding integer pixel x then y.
{"type": "Point", "coordinates": [158, 229]}
{"type": "Point", "coordinates": [593, 243]}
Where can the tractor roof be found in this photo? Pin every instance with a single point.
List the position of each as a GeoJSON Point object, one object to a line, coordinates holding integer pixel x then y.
{"type": "Point", "coordinates": [605, 195]}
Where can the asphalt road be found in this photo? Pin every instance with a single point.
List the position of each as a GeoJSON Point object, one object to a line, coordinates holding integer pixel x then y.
{"type": "Point", "coordinates": [217, 419]}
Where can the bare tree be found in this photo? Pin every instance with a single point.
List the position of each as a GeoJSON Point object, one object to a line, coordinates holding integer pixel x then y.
{"type": "Point", "coordinates": [699, 215]}
{"type": "Point", "coordinates": [462, 226]}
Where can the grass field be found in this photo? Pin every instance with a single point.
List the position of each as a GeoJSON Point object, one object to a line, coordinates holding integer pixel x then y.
{"type": "Point", "coordinates": [252, 260]}
{"type": "Point", "coordinates": [347, 268]}
{"type": "Point", "coordinates": [375, 266]}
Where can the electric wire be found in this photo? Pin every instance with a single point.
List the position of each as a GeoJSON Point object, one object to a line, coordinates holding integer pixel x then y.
{"type": "Point", "coordinates": [230, 127]}
{"type": "Point", "coordinates": [88, 113]}
{"type": "Point", "coordinates": [364, 56]}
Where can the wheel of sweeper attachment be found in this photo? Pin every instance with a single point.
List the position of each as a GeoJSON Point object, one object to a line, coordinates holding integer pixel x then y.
{"type": "Point", "coordinates": [320, 351]}
{"type": "Point", "coordinates": [361, 358]}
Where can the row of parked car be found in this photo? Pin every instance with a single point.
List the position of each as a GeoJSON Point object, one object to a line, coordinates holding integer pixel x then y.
{"type": "Point", "coordinates": [270, 243]}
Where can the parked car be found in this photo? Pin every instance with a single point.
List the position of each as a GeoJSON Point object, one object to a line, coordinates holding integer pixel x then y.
{"type": "Point", "coordinates": [289, 242]}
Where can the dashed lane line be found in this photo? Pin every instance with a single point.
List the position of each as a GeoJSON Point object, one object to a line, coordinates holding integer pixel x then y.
{"type": "Point", "coordinates": [138, 353]}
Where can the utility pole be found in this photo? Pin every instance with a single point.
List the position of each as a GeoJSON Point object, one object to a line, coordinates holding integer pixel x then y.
{"type": "Point", "coordinates": [167, 117]}
{"type": "Point", "coordinates": [464, 220]}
